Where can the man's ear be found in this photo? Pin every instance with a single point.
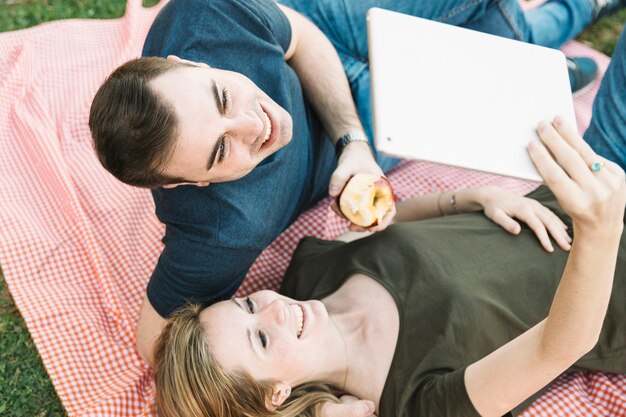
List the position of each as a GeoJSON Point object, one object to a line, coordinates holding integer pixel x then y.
{"type": "Point", "coordinates": [279, 393]}
{"type": "Point", "coordinates": [173, 58]}
{"type": "Point", "coordinates": [186, 61]}
{"type": "Point", "coordinates": [197, 184]}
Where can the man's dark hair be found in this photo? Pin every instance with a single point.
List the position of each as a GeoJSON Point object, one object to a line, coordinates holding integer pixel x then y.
{"type": "Point", "coordinates": [134, 130]}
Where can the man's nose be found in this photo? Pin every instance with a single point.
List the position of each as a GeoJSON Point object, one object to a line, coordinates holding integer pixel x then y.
{"type": "Point", "coordinates": [275, 312]}
{"type": "Point", "coordinates": [247, 127]}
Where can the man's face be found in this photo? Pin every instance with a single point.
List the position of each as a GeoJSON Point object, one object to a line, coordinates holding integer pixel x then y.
{"type": "Point", "coordinates": [227, 125]}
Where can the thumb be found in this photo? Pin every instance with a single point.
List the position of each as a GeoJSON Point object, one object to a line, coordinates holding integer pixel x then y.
{"type": "Point", "coordinates": [360, 408]}
{"type": "Point", "coordinates": [337, 181]}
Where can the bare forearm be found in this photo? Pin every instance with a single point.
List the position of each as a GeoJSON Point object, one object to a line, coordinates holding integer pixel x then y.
{"type": "Point", "coordinates": [439, 204]}
{"type": "Point", "coordinates": [324, 81]}
{"type": "Point", "coordinates": [582, 298]}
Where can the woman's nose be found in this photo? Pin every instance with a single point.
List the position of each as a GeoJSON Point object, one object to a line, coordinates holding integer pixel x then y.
{"type": "Point", "coordinates": [247, 127]}
{"type": "Point", "coordinates": [275, 311]}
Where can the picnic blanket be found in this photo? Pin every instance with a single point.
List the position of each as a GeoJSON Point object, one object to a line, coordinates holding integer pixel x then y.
{"type": "Point", "coordinates": [77, 247]}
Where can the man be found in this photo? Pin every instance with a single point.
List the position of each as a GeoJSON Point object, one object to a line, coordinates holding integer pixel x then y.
{"type": "Point", "coordinates": [238, 136]}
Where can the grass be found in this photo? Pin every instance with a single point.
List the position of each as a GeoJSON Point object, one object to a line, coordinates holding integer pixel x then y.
{"type": "Point", "coordinates": [604, 34]}
{"type": "Point", "coordinates": [25, 389]}
{"type": "Point", "coordinates": [19, 14]}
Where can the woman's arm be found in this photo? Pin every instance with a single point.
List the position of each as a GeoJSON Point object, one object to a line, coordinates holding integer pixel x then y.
{"type": "Point", "coordinates": [595, 201]}
{"type": "Point", "coordinates": [499, 205]}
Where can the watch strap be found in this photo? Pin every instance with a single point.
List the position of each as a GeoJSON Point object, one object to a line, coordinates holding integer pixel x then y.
{"type": "Point", "coordinates": [342, 142]}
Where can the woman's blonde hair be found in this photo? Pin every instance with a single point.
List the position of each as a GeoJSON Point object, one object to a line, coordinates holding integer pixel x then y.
{"type": "Point", "coordinates": [190, 382]}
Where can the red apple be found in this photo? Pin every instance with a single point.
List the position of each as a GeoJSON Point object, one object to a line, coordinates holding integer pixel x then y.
{"type": "Point", "coordinates": [366, 199]}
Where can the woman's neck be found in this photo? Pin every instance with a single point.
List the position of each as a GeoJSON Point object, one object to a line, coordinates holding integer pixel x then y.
{"type": "Point", "coordinates": [367, 321]}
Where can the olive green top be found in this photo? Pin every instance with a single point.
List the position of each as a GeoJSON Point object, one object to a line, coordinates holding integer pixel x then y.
{"type": "Point", "coordinates": [463, 288]}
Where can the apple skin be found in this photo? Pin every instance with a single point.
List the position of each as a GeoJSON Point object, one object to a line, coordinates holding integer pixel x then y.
{"type": "Point", "coordinates": [366, 199]}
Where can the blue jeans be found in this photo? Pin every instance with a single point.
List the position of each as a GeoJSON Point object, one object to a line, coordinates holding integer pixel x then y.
{"type": "Point", "coordinates": [343, 22]}
{"type": "Point", "coordinates": [607, 132]}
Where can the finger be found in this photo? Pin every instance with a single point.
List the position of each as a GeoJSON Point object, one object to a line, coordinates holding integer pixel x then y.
{"type": "Point", "coordinates": [355, 228]}
{"type": "Point", "coordinates": [537, 226]}
{"type": "Point", "coordinates": [348, 399]}
{"type": "Point", "coordinates": [588, 155]}
{"type": "Point", "coordinates": [553, 175]}
{"type": "Point", "coordinates": [554, 225]}
{"type": "Point", "coordinates": [571, 136]}
{"type": "Point", "coordinates": [499, 217]}
{"type": "Point", "coordinates": [359, 408]}
{"type": "Point", "coordinates": [567, 157]}
{"type": "Point", "coordinates": [334, 207]}
{"type": "Point", "coordinates": [547, 212]}
{"type": "Point", "coordinates": [338, 181]}
{"type": "Point", "coordinates": [613, 167]}
{"type": "Point", "coordinates": [385, 221]}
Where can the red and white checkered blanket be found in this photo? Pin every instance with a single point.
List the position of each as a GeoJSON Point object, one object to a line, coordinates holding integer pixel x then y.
{"type": "Point", "coordinates": [77, 247]}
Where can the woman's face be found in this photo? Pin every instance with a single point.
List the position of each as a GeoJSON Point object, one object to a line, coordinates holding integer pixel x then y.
{"type": "Point", "coordinates": [271, 337]}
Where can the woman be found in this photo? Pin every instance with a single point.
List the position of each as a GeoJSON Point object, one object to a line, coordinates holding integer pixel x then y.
{"type": "Point", "coordinates": [438, 318]}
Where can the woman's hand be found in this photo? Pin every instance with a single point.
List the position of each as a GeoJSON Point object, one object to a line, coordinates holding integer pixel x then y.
{"type": "Point", "coordinates": [591, 189]}
{"type": "Point", "coordinates": [348, 406]}
{"type": "Point", "coordinates": [503, 207]}
{"type": "Point", "coordinates": [356, 158]}
{"type": "Point", "coordinates": [595, 197]}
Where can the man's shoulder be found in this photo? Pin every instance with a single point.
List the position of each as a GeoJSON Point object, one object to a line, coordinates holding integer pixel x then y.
{"type": "Point", "coordinates": [210, 30]}
{"type": "Point", "coordinates": [232, 9]}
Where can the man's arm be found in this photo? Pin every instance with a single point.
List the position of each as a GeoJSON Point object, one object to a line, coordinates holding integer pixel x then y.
{"type": "Point", "coordinates": [326, 86]}
{"type": "Point", "coordinates": [149, 328]}
{"type": "Point", "coordinates": [321, 73]}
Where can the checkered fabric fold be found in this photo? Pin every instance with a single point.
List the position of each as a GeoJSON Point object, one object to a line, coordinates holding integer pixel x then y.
{"type": "Point", "coordinates": [77, 247]}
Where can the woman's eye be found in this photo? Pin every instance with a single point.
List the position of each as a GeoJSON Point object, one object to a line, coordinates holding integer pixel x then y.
{"type": "Point", "coordinates": [226, 101]}
{"type": "Point", "coordinates": [263, 339]}
{"type": "Point", "coordinates": [250, 305]}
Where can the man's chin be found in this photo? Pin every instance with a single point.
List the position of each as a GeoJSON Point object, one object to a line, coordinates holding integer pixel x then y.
{"type": "Point", "coordinates": [286, 130]}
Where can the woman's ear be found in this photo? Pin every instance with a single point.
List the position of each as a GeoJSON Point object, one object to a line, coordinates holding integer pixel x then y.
{"type": "Point", "coordinates": [278, 394]}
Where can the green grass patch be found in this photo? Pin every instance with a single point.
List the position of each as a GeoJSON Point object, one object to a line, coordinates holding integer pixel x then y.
{"type": "Point", "coordinates": [25, 389]}
{"type": "Point", "coordinates": [604, 34]}
{"type": "Point", "coordinates": [20, 14]}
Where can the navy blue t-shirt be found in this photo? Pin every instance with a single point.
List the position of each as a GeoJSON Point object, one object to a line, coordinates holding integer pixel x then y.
{"type": "Point", "coordinates": [214, 233]}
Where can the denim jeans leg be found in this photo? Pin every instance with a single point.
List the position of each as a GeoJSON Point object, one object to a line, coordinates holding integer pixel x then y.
{"type": "Point", "coordinates": [558, 21]}
{"type": "Point", "coordinates": [607, 132]}
{"type": "Point", "coordinates": [344, 23]}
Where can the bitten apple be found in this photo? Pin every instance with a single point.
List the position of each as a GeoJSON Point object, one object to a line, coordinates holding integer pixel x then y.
{"type": "Point", "coordinates": [366, 199]}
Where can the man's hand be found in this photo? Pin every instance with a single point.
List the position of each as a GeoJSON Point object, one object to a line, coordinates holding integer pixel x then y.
{"type": "Point", "coordinates": [148, 330]}
{"type": "Point", "coordinates": [349, 407]}
{"type": "Point", "coordinates": [356, 158]}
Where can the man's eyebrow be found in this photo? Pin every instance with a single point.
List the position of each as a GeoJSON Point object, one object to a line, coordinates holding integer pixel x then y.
{"type": "Point", "coordinates": [220, 107]}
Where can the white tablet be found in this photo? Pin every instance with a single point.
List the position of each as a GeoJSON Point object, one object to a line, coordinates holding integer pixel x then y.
{"type": "Point", "coordinates": [454, 96]}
